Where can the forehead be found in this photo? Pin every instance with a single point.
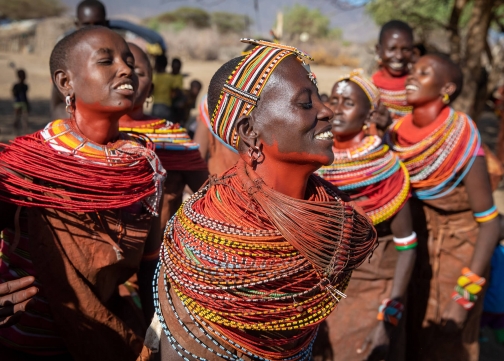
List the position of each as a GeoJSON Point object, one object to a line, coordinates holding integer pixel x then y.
{"type": "Point", "coordinates": [397, 35]}
{"type": "Point", "coordinates": [349, 88]}
{"type": "Point", "coordinates": [97, 42]}
{"type": "Point", "coordinates": [288, 78]}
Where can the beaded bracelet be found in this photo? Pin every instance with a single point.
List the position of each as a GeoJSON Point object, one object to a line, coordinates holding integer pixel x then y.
{"type": "Point", "coordinates": [403, 244]}
{"type": "Point", "coordinates": [390, 311]}
{"type": "Point", "coordinates": [467, 288]}
{"type": "Point", "coordinates": [487, 215]}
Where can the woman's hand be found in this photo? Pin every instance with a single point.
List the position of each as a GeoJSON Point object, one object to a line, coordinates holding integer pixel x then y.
{"type": "Point", "coordinates": [381, 117]}
{"type": "Point", "coordinates": [14, 297]}
{"type": "Point", "coordinates": [376, 344]}
{"type": "Point", "coordinates": [454, 317]}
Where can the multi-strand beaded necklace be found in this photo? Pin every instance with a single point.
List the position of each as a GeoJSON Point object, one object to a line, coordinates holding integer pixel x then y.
{"type": "Point", "coordinates": [59, 168]}
{"type": "Point", "coordinates": [373, 176]}
{"type": "Point", "coordinates": [243, 280]}
{"type": "Point", "coordinates": [393, 94]}
{"type": "Point", "coordinates": [439, 162]}
{"type": "Point", "coordinates": [164, 134]}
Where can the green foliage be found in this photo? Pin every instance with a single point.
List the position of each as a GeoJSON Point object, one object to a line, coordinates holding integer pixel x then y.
{"type": "Point", "coordinates": [422, 15]}
{"type": "Point", "coordinates": [335, 34]}
{"type": "Point", "coordinates": [30, 9]}
{"type": "Point", "coordinates": [230, 23]}
{"type": "Point", "coordinates": [183, 16]}
{"type": "Point", "coordinates": [299, 19]}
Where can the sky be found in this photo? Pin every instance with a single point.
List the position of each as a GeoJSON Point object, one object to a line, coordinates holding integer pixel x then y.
{"type": "Point", "coordinates": [357, 26]}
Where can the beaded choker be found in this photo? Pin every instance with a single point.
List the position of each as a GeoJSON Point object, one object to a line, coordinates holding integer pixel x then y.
{"type": "Point", "coordinates": [164, 134]}
{"type": "Point", "coordinates": [438, 163]}
{"type": "Point", "coordinates": [244, 275]}
{"type": "Point", "coordinates": [59, 168]}
{"type": "Point", "coordinates": [373, 175]}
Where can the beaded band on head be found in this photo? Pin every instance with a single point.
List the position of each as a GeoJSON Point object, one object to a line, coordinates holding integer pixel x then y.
{"type": "Point", "coordinates": [242, 90]}
{"type": "Point", "coordinates": [357, 76]}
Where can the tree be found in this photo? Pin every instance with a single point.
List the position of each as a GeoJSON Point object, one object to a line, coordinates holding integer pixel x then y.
{"type": "Point", "coordinates": [194, 17]}
{"type": "Point", "coordinates": [230, 23]}
{"type": "Point", "coordinates": [301, 19]}
{"type": "Point", "coordinates": [467, 23]}
{"type": "Point", "coordinates": [30, 9]}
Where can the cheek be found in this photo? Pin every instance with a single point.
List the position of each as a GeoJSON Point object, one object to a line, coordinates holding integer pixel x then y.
{"type": "Point", "coordinates": [91, 89]}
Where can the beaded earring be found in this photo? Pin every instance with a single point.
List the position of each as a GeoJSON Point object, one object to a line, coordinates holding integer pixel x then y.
{"type": "Point", "coordinates": [446, 98]}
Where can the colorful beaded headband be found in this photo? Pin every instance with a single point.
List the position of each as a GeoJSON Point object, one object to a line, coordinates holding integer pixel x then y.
{"type": "Point", "coordinates": [243, 88]}
{"type": "Point", "coordinates": [356, 76]}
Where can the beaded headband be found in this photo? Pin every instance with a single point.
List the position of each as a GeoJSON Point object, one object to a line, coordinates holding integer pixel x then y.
{"type": "Point", "coordinates": [243, 88]}
{"type": "Point", "coordinates": [356, 76]}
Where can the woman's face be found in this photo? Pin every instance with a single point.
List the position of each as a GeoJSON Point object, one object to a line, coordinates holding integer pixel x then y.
{"type": "Point", "coordinates": [102, 73]}
{"type": "Point", "coordinates": [292, 121]}
{"type": "Point", "coordinates": [395, 51]}
{"type": "Point", "coordinates": [351, 108]}
{"type": "Point", "coordinates": [425, 82]}
{"type": "Point", "coordinates": [143, 71]}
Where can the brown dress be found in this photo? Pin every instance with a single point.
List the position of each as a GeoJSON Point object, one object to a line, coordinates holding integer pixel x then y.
{"type": "Point", "coordinates": [345, 330]}
{"type": "Point", "coordinates": [79, 260]}
{"type": "Point", "coordinates": [449, 246]}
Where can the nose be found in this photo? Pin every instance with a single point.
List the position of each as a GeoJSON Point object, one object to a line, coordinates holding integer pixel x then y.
{"type": "Point", "coordinates": [324, 113]}
{"type": "Point", "coordinates": [125, 70]}
{"type": "Point", "coordinates": [399, 55]}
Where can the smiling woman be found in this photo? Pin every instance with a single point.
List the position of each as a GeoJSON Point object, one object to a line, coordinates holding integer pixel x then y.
{"type": "Point", "coordinates": [253, 262]}
{"type": "Point", "coordinates": [77, 201]}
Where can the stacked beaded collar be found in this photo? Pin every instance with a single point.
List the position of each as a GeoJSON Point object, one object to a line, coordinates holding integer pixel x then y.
{"type": "Point", "coordinates": [59, 168]}
{"type": "Point", "coordinates": [373, 175]}
{"type": "Point", "coordinates": [243, 88]}
{"type": "Point", "coordinates": [245, 277]}
{"type": "Point", "coordinates": [164, 134]}
{"type": "Point", "coordinates": [438, 163]}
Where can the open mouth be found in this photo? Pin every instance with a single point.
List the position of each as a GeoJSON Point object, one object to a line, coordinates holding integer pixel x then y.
{"type": "Point", "coordinates": [337, 122]}
{"type": "Point", "coordinates": [327, 135]}
{"type": "Point", "coordinates": [396, 66]}
{"type": "Point", "coordinates": [411, 87]}
{"type": "Point", "coordinates": [125, 86]}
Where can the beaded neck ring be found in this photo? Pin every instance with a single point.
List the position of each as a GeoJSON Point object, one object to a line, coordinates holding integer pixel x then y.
{"type": "Point", "coordinates": [243, 88]}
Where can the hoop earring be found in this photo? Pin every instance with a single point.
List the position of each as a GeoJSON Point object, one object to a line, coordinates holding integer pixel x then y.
{"type": "Point", "coordinates": [69, 105]}
{"type": "Point", "coordinates": [446, 98]}
{"type": "Point", "coordinates": [255, 155]}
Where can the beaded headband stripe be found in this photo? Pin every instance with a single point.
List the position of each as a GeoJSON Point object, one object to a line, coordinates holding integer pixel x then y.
{"type": "Point", "coordinates": [243, 88]}
{"type": "Point", "coordinates": [356, 76]}
{"type": "Point", "coordinates": [240, 94]}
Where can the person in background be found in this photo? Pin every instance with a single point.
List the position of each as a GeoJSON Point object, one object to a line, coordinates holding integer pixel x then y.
{"type": "Point", "coordinates": [167, 86]}
{"type": "Point", "coordinates": [394, 53]}
{"type": "Point", "coordinates": [182, 106]}
{"type": "Point", "coordinates": [21, 104]}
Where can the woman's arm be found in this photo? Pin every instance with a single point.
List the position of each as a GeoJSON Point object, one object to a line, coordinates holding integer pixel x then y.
{"type": "Point", "coordinates": [477, 184]}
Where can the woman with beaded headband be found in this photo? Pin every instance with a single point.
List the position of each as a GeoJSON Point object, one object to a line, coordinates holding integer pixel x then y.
{"type": "Point", "coordinates": [257, 259]}
{"type": "Point", "coordinates": [441, 149]}
{"type": "Point", "coordinates": [179, 155]}
{"type": "Point", "coordinates": [77, 201]}
{"type": "Point", "coordinates": [376, 180]}
{"type": "Point", "coordinates": [394, 53]}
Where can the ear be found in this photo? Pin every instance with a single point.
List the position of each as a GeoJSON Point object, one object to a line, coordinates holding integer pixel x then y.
{"type": "Point", "coordinates": [248, 135]}
{"type": "Point", "coordinates": [63, 83]}
{"type": "Point", "coordinates": [151, 90]}
{"type": "Point", "coordinates": [377, 48]}
{"type": "Point", "coordinates": [448, 88]}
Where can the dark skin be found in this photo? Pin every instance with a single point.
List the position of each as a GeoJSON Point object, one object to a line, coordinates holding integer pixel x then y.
{"type": "Point", "coordinates": [101, 63]}
{"type": "Point", "coordinates": [395, 51]}
{"type": "Point", "coordinates": [352, 110]}
{"type": "Point", "coordinates": [86, 16]}
{"type": "Point", "coordinates": [295, 152]}
{"type": "Point", "coordinates": [427, 83]}
{"type": "Point", "coordinates": [284, 124]}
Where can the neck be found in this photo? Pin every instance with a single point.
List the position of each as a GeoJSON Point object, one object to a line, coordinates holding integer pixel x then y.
{"type": "Point", "coordinates": [97, 126]}
{"type": "Point", "coordinates": [427, 113]}
{"type": "Point", "coordinates": [289, 179]}
{"type": "Point", "coordinates": [348, 141]}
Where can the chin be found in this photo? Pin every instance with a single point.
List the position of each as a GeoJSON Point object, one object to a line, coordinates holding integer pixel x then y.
{"type": "Point", "coordinates": [396, 73]}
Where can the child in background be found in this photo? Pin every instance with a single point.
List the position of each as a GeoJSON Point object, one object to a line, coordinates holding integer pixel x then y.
{"type": "Point", "coordinates": [167, 86]}
{"type": "Point", "coordinates": [182, 106]}
{"type": "Point", "coordinates": [21, 105]}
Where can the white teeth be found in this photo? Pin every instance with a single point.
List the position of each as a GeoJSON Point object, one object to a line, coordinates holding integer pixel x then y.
{"type": "Point", "coordinates": [396, 65]}
{"type": "Point", "coordinates": [411, 87]}
{"type": "Point", "coordinates": [125, 86]}
{"type": "Point", "coordinates": [325, 135]}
